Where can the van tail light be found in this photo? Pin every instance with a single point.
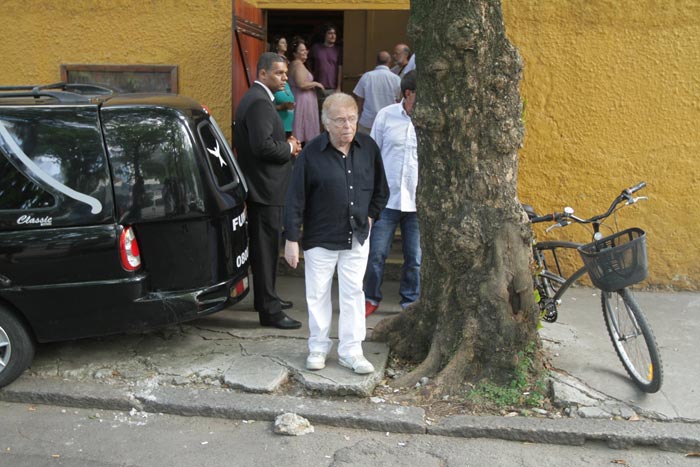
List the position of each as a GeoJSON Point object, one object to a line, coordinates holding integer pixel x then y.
{"type": "Point", "coordinates": [239, 288]}
{"type": "Point", "coordinates": [129, 250]}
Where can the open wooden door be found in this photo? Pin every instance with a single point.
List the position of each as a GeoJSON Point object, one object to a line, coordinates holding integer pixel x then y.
{"type": "Point", "coordinates": [249, 41]}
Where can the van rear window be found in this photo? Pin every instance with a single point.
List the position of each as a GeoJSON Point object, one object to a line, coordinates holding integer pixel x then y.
{"type": "Point", "coordinates": [218, 156]}
{"type": "Point", "coordinates": [154, 166]}
{"type": "Point", "coordinates": [53, 166]}
{"type": "Point", "coordinates": [17, 192]}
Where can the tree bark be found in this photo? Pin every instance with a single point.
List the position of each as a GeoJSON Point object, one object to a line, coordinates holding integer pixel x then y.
{"type": "Point", "coordinates": [477, 307]}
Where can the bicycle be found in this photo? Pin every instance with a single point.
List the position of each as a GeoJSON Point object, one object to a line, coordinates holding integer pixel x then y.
{"type": "Point", "coordinates": [613, 263]}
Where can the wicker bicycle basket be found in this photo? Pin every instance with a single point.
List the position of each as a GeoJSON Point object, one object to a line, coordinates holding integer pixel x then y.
{"type": "Point", "coordinates": [617, 261]}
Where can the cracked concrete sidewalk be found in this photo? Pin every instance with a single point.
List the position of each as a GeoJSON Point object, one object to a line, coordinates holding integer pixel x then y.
{"type": "Point", "coordinates": [227, 365]}
{"type": "Point", "coordinates": [228, 349]}
{"type": "Point", "coordinates": [586, 364]}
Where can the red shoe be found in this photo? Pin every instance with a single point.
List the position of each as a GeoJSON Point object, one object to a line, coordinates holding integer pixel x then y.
{"type": "Point", "coordinates": [370, 308]}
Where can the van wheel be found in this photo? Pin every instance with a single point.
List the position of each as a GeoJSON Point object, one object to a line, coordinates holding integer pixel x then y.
{"type": "Point", "coordinates": [16, 347]}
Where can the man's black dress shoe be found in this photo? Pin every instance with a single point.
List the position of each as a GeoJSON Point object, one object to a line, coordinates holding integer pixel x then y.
{"type": "Point", "coordinates": [286, 304]}
{"type": "Point", "coordinates": [280, 321]}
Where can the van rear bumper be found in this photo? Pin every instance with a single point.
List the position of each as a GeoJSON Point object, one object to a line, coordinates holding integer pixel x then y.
{"type": "Point", "coordinates": [202, 301]}
{"type": "Point", "coordinates": [77, 310]}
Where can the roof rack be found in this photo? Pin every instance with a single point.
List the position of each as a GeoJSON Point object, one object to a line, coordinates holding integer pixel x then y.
{"type": "Point", "coordinates": [65, 93]}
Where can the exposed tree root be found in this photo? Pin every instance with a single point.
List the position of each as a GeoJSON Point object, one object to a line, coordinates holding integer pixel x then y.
{"type": "Point", "coordinates": [428, 368]}
{"type": "Point", "coordinates": [412, 323]}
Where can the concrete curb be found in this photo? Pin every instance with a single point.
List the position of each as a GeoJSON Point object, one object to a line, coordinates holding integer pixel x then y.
{"type": "Point", "coordinates": [219, 403]}
{"type": "Point", "coordinates": [222, 403]}
{"type": "Point", "coordinates": [207, 403]}
{"type": "Point", "coordinates": [621, 434]}
{"type": "Point", "coordinates": [69, 394]}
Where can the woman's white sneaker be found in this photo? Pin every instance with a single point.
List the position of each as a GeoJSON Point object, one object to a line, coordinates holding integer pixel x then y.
{"type": "Point", "coordinates": [316, 361]}
{"type": "Point", "coordinates": [358, 363]}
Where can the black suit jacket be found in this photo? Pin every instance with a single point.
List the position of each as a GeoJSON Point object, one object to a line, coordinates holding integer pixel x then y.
{"type": "Point", "coordinates": [263, 152]}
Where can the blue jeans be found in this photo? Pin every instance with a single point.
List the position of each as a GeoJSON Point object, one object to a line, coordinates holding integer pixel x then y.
{"type": "Point", "coordinates": [379, 245]}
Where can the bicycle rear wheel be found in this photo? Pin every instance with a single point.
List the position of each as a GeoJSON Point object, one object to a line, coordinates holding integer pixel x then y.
{"type": "Point", "coordinates": [633, 340]}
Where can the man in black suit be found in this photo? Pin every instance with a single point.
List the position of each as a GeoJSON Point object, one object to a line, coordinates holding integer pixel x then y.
{"type": "Point", "coordinates": [265, 157]}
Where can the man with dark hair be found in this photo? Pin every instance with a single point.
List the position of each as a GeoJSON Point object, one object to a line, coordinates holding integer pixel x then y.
{"type": "Point", "coordinates": [327, 58]}
{"type": "Point", "coordinates": [375, 90]}
{"type": "Point", "coordinates": [265, 157]}
{"type": "Point", "coordinates": [396, 137]}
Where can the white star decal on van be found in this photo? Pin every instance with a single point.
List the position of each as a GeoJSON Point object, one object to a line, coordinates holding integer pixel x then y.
{"type": "Point", "coordinates": [217, 153]}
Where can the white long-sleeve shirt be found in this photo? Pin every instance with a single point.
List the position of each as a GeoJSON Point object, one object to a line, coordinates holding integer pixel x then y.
{"type": "Point", "coordinates": [396, 137]}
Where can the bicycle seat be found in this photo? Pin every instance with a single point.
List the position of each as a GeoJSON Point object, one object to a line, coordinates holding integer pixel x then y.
{"type": "Point", "coordinates": [529, 210]}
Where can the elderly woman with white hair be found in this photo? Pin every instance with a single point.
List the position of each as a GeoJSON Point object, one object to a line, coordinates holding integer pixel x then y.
{"type": "Point", "coordinates": [338, 189]}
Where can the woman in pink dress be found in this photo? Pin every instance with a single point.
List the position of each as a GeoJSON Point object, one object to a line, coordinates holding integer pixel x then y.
{"type": "Point", "coordinates": [306, 124]}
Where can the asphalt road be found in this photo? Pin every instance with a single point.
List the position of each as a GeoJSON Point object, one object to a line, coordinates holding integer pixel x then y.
{"type": "Point", "coordinates": [43, 436]}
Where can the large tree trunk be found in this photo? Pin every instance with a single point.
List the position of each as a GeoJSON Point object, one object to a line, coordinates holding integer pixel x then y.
{"type": "Point", "coordinates": [477, 307]}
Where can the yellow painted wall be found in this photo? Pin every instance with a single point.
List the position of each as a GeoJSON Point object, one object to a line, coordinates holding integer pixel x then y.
{"type": "Point", "coordinates": [611, 88]}
{"type": "Point", "coordinates": [332, 5]}
{"type": "Point", "coordinates": [612, 96]}
{"type": "Point", "coordinates": [39, 36]}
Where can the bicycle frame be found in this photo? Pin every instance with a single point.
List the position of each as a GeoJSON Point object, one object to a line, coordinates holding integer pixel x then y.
{"type": "Point", "coordinates": [567, 282]}
{"type": "Point", "coordinates": [553, 245]}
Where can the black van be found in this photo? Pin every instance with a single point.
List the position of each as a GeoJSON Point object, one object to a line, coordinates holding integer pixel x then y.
{"type": "Point", "coordinates": [118, 213]}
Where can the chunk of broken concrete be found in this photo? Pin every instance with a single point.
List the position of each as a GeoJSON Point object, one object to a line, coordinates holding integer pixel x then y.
{"type": "Point", "coordinates": [292, 424]}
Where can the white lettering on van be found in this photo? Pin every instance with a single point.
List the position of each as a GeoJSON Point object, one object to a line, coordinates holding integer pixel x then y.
{"type": "Point", "coordinates": [28, 219]}
{"type": "Point", "coordinates": [242, 258]}
{"type": "Point", "coordinates": [239, 221]}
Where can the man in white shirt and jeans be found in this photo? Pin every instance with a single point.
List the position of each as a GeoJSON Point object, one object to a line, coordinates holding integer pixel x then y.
{"type": "Point", "coordinates": [375, 90]}
{"type": "Point", "coordinates": [396, 137]}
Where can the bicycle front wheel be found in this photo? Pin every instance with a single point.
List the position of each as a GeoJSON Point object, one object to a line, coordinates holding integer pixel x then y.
{"type": "Point", "coordinates": [633, 340]}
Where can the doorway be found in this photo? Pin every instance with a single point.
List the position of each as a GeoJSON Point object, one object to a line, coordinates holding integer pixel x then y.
{"type": "Point", "coordinates": [305, 23]}
{"type": "Point", "coordinates": [361, 33]}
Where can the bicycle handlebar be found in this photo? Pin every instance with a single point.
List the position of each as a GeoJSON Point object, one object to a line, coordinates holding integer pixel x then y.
{"type": "Point", "coordinates": [635, 188]}
{"type": "Point", "coordinates": [547, 218]}
{"type": "Point", "coordinates": [565, 218]}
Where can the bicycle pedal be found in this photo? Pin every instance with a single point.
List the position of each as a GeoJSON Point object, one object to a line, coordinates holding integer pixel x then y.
{"type": "Point", "coordinates": [550, 315]}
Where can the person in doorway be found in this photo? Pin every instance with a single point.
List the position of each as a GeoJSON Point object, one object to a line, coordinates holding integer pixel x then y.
{"type": "Point", "coordinates": [284, 103]}
{"type": "Point", "coordinates": [375, 90]}
{"type": "Point", "coordinates": [279, 45]}
{"type": "Point", "coordinates": [327, 59]}
{"type": "Point", "coordinates": [401, 55]}
{"type": "Point", "coordinates": [411, 65]}
{"type": "Point", "coordinates": [284, 99]}
{"type": "Point", "coordinates": [306, 124]}
{"type": "Point", "coordinates": [337, 190]}
{"type": "Point", "coordinates": [396, 137]}
{"type": "Point", "coordinates": [265, 157]}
